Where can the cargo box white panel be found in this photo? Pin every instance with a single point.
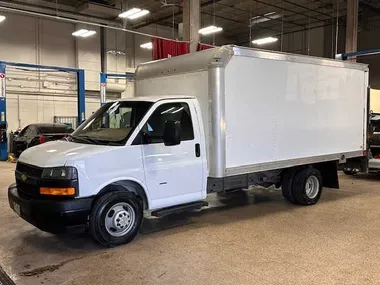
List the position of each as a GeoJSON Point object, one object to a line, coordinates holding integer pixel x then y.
{"type": "Point", "coordinates": [280, 110]}
{"type": "Point", "coordinates": [191, 84]}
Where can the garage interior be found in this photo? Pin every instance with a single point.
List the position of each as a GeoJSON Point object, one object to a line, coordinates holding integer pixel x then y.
{"type": "Point", "coordinates": [61, 60]}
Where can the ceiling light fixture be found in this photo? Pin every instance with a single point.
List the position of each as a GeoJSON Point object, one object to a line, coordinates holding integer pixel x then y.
{"type": "Point", "coordinates": [116, 52]}
{"type": "Point", "coordinates": [2, 18]}
{"type": "Point", "coordinates": [133, 13]}
{"type": "Point", "coordinates": [83, 33]}
{"type": "Point", "coordinates": [263, 41]}
{"type": "Point", "coordinates": [147, 45]}
{"type": "Point", "coordinates": [266, 17]}
{"type": "Point", "coordinates": [210, 30]}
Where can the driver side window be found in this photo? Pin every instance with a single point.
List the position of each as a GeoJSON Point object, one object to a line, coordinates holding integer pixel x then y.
{"type": "Point", "coordinates": [153, 130]}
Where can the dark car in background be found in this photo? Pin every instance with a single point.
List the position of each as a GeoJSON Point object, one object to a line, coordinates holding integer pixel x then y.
{"type": "Point", "coordinates": [36, 134]}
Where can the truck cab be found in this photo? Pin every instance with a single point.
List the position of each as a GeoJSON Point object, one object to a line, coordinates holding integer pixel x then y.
{"type": "Point", "coordinates": [131, 155]}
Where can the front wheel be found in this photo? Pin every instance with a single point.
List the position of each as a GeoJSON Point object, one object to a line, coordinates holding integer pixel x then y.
{"type": "Point", "coordinates": [116, 218]}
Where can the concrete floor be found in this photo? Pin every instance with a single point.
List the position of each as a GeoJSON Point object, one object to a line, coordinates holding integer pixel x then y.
{"type": "Point", "coordinates": [256, 238]}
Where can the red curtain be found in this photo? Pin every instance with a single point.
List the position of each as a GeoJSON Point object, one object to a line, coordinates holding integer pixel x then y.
{"type": "Point", "coordinates": [204, 46]}
{"type": "Point", "coordinates": [167, 48]}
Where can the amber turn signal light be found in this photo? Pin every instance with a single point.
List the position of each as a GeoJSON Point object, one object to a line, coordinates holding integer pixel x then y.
{"type": "Point", "coordinates": [57, 191]}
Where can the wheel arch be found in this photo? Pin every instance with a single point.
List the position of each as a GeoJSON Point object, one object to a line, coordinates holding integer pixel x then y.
{"type": "Point", "coordinates": [127, 185]}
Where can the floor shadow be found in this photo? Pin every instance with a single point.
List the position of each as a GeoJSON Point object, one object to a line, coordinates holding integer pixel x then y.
{"type": "Point", "coordinates": [238, 205]}
{"type": "Point", "coordinates": [375, 176]}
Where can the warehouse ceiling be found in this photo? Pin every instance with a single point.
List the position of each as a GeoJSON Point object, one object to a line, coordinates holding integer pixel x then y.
{"type": "Point", "coordinates": [238, 18]}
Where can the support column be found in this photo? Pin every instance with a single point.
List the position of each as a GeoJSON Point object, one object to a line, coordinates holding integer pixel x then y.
{"type": "Point", "coordinates": [352, 25]}
{"type": "Point", "coordinates": [191, 23]}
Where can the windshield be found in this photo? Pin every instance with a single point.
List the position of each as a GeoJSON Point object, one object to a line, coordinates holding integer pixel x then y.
{"type": "Point", "coordinates": [112, 123]}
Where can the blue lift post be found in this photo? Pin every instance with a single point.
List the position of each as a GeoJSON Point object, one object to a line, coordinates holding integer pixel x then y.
{"type": "Point", "coordinates": [80, 85]}
{"type": "Point", "coordinates": [103, 83]}
{"type": "Point", "coordinates": [346, 55]}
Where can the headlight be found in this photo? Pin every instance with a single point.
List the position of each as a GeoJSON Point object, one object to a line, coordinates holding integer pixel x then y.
{"type": "Point", "coordinates": [60, 173]}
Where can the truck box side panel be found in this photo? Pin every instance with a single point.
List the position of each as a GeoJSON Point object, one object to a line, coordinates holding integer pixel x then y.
{"type": "Point", "coordinates": [280, 110]}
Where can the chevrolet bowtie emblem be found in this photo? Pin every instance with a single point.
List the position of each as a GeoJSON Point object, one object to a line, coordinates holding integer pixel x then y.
{"type": "Point", "coordinates": [24, 177]}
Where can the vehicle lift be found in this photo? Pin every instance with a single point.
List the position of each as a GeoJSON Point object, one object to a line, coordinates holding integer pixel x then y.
{"type": "Point", "coordinates": [347, 55]}
{"type": "Point", "coordinates": [3, 119]}
{"type": "Point", "coordinates": [103, 83]}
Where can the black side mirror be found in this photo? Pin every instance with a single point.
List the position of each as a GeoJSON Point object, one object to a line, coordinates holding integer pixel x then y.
{"type": "Point", "coordinates": [172, 133]}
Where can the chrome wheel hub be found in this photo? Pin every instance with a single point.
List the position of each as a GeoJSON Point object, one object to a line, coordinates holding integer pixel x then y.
{"type": "Point", "coordinates": [312, 187]}
{"type": "Point", "coordinates": [120, 219]}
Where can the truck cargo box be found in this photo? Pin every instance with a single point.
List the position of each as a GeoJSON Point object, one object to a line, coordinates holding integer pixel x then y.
{"type": "Point", "coordinates": [265, 110]}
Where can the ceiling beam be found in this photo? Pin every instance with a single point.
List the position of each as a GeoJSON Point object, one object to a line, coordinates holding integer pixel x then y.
{"type": "Point", "coordinates": [282, 8]}
{"type": "Point", "coordinates": [306, 8]}
{"type": "Point", "coordinates": [246, 24]}
{"type": "Point", "coordinates": [263, 16]}
{"type": "Point", "coordinates": [370, 7]}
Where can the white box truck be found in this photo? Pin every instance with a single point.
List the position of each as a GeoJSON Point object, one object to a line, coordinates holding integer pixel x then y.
{"type": "Point", "coordinates": [213, 121]}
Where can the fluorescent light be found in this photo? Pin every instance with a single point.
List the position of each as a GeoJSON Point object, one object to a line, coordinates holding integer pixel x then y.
{"type": "Point", "coordinates": [79, 32]}
{"type": "Point", "coordinates": [265, 18]}
{"type": "Point", "coordinates": [88, 33]}
{"type": "Point", "coordinates": [210, 30]}
{"type": "Point", "coordinates": [116, 52]}
{"type": "Point", "coordinates": [147, 45]}
{"type": "Point", "coordinates": [265, 41]}
{"type": "Point", "coordinates": [129, 12]}
{"type": "Point", "coordinates": [83, 33]}
{"type": "Point", "coordinates": [2, 18]}
{"type": "Point", "coordinates": [139, 14]}
{"type": "Point", "coordinates": [133, 13]}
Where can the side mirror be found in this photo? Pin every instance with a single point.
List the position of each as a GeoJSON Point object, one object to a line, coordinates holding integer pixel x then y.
{"type": "Point", "coordinates": [172, 133]}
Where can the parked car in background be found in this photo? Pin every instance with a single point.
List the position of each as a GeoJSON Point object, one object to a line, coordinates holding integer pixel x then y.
{"type": "Point", "coordinates": [36, 134]}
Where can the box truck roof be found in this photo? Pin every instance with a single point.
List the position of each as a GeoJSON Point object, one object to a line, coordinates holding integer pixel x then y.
{"type": "Point", "coordinates": [198, 61]}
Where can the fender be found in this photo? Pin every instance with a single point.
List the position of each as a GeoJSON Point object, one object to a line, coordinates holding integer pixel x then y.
{"type": "Point", "coordinates": [127, 184]}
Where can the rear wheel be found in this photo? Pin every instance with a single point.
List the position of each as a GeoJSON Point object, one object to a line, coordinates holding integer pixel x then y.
{"type": "Point", "coordinates": [116, 218]}
{"type": "Point", "coordinates": [307, 186]}
{"type": "Point", "coordinates": [287, 185]}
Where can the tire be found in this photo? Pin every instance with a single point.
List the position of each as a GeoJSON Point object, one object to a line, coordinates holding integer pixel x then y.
{"type": "Point", "coordinates": [287, 185]}
{"type": "Point", "coordinates": [307, 186]}
{"type": "Point", "coordinates": [120, 207]}
{"type": "Point", "coordinates": [350, 171]}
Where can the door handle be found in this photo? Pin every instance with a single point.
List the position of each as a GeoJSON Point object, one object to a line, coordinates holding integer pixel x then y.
{"type": "Point", "coordinates": [197, 150]}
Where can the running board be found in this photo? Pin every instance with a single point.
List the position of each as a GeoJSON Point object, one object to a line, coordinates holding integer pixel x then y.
{"type": "Point", "coordinates": [179, 208]}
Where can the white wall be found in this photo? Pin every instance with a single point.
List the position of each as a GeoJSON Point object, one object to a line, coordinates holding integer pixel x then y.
{"type": "Point", "coordinates": [36, 95]}
{"type": "Point", "coordinates": [134, 55]}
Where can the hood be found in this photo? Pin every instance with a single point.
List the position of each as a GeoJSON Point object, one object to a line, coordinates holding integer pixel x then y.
{"type": "Point", "coordinates": [57, 153]}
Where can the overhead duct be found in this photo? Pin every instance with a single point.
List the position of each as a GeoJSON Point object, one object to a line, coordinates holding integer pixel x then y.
{"type": "Point", "coordinates": [44, 12]}
{"type": "Point", "coordinates": [99, 10]}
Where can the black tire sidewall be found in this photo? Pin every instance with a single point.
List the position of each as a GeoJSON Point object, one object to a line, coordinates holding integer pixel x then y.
{"type": "Point", "coordinates": [287, 185]}
{"type": "Point", "coordinates": [100, 209]}
{"type": "Point", "coordinates": [299, 183]}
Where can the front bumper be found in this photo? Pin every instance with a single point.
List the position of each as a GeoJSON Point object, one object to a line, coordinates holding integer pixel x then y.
{"type": "Point", "coordinates": [54, 216]}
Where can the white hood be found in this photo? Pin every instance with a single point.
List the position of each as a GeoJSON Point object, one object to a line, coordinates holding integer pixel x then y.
{"type": "Point", "coordinates": [57, 153]}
